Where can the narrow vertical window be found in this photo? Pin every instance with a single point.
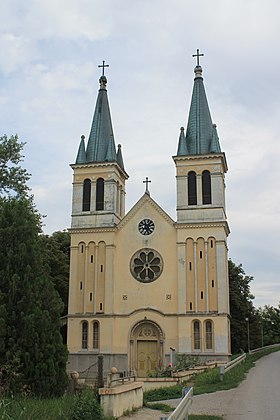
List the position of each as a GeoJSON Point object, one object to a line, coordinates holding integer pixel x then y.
{"type": "Point", "coordinates": [200, 254]}
{"type": "Point", "coordinates": [91, 258]}
{"type": "Point", "coordinates": [95, 343]}
{"type": "Point", "coordinates": [100, 307]}
{"type": "Point", "coordinates": [192, 194]}
{"type": "Point", "coordinates": [206, 188]}
{"type": "Point", "coordinates": [196, 335]}
{"type": "Point", "coordinates": [190, 306]}
{"type": "Point", "coordinates": [90, 296]}
{"type": "Point", "coordinates": [213, 283]}
{"type": "Point", "coordinates": [209, 335]}
{"type": "Point", "coordinates": [86, 195]}
{"type": "Point", "coordinates": [201, 295]}
{"type": "Point", "coordinates": [211, 243]}
{"type": "Point", "coordinates": [100, 194]}
{"type": "Point", "coordinates": [81, 285]}
{"type": "Point", "coordinates": [190, 266]}
{"type": "Point", "coordinates": [84, 335]}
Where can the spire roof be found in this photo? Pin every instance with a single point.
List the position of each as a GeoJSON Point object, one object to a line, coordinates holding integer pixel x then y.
{"type": "Point", "coordinates": [201, 135]}
{"type": "Point", "coordinates": [101, 143]}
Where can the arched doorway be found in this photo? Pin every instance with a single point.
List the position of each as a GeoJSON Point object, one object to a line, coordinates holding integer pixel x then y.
{"type": "Point", "coordinates": [146, 347]}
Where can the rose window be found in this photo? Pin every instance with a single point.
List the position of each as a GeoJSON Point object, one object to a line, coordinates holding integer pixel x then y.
{"type": "Point", "coordinates": [146, 265]}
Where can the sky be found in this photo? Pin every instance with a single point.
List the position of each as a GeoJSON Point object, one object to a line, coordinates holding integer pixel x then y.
{"type": "Point", "coordinates": [50, 52]}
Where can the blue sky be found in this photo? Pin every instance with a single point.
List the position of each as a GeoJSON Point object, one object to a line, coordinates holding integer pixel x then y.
{"type": "Point", "coordinates": [50, 50]}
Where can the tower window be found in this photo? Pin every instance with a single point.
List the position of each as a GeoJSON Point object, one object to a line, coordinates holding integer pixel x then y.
{"type": "Point", "coordinates": [211, 243]}
{"type": "Point", "coordinates": [86, 194]}
{"type": "Point", "coordinates": [91, 258]}
{"type": "Point", "coordinates": [190, 306]}
{"type": "Point", "coordinates": [201, 295]}
{"type": "Point", "coordinates": [196, 335]}
{"type": "Point", "coordinates": [206, 187]}
{"type": "Point", "coordinates": [90, 296]}
{"type": "Point", "coordinates": [213, 283]}
{"type": "Point", "coordinates": [95, 343]}
{"type": "Point", "coordinates": [100, 194]}
{"type": "Point", "coordinates": [209, 335]}
{"type": "Point", "coordinates": [192, 193]}
{"type": "Point", "coordinates": [100, 307]}
{"type": "Point", "coordinates": [81, 285]}
{"type": "Point", "coordinates": [190, 266]}
{"type": "Point", "coordinates": [101, 268]}
{"type": "Point", "coordinates": [200, 254]}
{"type": "Point", "coordinates": [84, 335]}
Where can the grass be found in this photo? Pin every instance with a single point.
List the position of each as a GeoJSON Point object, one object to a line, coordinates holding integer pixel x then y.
{"type": "Point", "coordinates": [35, 408]}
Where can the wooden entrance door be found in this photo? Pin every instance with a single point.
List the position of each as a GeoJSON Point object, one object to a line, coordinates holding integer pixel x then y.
{"type": "Point", "coordinates": [147, 357]}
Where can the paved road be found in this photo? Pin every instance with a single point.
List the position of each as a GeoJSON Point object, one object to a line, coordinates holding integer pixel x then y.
{"type": "Point", "coordinates": [257, 398]}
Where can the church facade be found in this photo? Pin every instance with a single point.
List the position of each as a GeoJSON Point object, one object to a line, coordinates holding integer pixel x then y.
{"type": "Point", "coordinates": [142, 285]}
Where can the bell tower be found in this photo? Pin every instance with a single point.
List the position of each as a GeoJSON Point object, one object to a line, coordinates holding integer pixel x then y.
{"type": "Point", "coordinates": [200, 164]}
{"type": "Point", "coordinates": [99, 174]}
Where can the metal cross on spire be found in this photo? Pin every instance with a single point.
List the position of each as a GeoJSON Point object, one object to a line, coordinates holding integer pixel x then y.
{"type": "Point", "coordinates": [147, 182]}
{"type": "Point", "coordinates": [197, 55]}
{"type": "Point", "coordinates": [103, 65]}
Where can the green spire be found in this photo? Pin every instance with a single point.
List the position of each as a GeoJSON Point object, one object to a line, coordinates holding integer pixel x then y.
{"type": "Point", "coordinates": [101, 133]}
{"type": "Point", "coordinates": [81, 156]}
{"type": "Point", "coordinates": [201, 135]}
{"type": "Point", "coordinates": [182, 146]}
{"type": "Point", "coordinates": [101, 143]}
{"type": "Point", "coordinates": [119, 157]}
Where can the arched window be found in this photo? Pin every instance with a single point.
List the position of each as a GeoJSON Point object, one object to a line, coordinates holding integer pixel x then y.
{"type": "Point", "coordinates": [95, 343]}
{"type": "Point", "coordinates": [209, 335]}
{"type": "Point", "coordinates": [86, 195]}
{"type": "Point", "coordinates": [100, 194]}
{"type": "Point", "coordinates": [84, 335]}
{"type": "Point", "coordinates": [192, 194]}
{"type": "Point", "coordinates": [206, 187]}
{"type": "Point", "coordinates": [196, 336]}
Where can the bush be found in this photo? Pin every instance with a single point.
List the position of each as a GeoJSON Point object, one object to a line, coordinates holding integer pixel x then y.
{"type": "Point", "coordinates": [86, 407]}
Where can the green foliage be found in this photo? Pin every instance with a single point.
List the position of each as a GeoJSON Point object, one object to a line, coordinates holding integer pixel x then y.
{"type": "Point", "coordinates": [270, 324]}
{"type": "Point", "coordinates": [163, 393]}
{"type": "Point", "coordinates": [185, 361]}
{"type": "Point", "coordinates": [36, 408]}
{"type": "Point", "coordinates": [165, 408]}
{"type": "Point", "coordinates": [29, 305]}
{"type": "Point", "coordinates": [12, 176]}
{"type": "Point", "coordinates": [241, 307]}
{"type": "Point", "coordinates": [57, 248]}
{"type": "Point", "coordinates": [86, 407]}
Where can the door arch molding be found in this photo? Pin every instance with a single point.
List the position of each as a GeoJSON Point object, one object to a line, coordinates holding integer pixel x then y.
{"type": "Point", "coordinates": [146, 331]}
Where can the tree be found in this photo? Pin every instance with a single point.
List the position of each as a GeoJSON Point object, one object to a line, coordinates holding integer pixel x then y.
{"type": "Point", "coordinates": [12, 175]}
{"type": "Point", "coordinates": [242, 311]}
{"type": "Point", "coordinates": [29, 305]}
{"type": "Point", "coordinates": [58, 259]}
{"type": "Point", "coordinates": [32, 355]}
{"type": "Point", "coordinates": [270, 324]}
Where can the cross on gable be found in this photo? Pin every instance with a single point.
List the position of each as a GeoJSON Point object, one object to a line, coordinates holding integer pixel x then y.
{"type": "Point", "coordinates": [147, 182]}
{"type": "Point", "coordinates": [197, 55]}
{"type": "Point", "coordinates": [103, 65]}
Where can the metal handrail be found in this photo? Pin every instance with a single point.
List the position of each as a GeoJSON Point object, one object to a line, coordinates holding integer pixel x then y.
{"type": "Point", "coordinates": [228, 366]}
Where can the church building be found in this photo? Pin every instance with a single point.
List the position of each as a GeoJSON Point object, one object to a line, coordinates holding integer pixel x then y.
{"type": "Point", "coordinates": [142, 285]}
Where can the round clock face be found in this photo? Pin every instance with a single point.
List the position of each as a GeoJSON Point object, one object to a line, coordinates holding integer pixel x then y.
{"type": "Point", "coordinates": [146, 226]}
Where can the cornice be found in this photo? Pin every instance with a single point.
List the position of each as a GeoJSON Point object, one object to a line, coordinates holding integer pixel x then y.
{"type": "Point", "coordinates": [203, 157]}
{"type": "Point", "coordinates": [99, 165]}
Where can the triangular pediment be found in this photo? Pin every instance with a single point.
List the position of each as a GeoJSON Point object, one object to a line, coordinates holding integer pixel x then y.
{"type": "Point", "coordinates": [144, 200]}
